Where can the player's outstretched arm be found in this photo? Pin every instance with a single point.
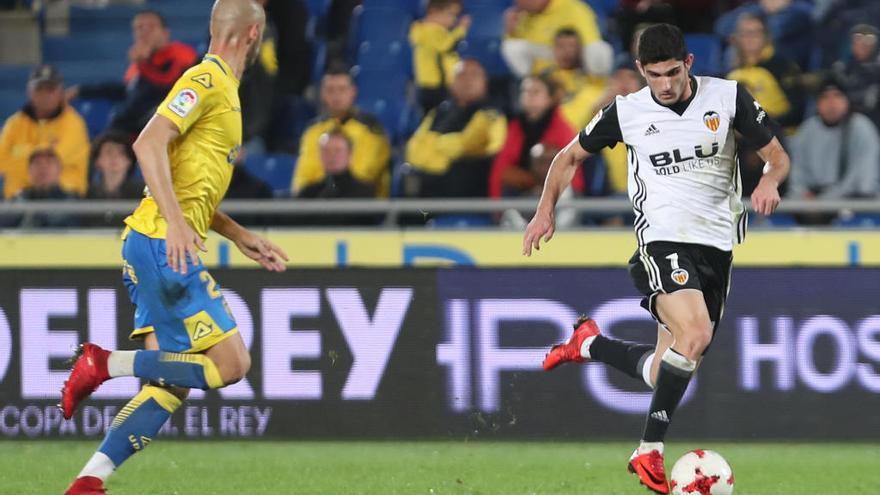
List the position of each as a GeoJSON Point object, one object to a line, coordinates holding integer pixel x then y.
{"type": "Point", "coordinates": [257, 248]}
{"type": "Point", "coordinates": [151, 148]}
{"type": "Point", "coordinates": [562, 170]}
{"type": "Point", "coordinates": [765, 197]}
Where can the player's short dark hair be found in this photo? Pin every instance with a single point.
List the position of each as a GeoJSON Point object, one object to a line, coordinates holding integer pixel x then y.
{"type": "Point", "coordinates": [441, 4]}
{"type": "Point", "coordinates": [114, 137]}
{"type": "Point", "coordinates": [162, 21]}
{"type": "Point", "coordinates": [661, 42]}
{"type": "Point", "coordinates": [338, 69]}
{"type": "Point", "coordinates": [567, 32]}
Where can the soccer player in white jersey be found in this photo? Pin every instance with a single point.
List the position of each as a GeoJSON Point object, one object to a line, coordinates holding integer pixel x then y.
{"type": "Point", "coordinates": [684, 183]}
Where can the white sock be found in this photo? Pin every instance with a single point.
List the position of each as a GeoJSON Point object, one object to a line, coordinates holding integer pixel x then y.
{"type": "Point", "coordinates": [646, 369]}
{"type": "Point", "coordinates": [585, 347]}
{"type": "Point", "coordinates": [99, 466]}
{"type": "Point", "coordinates": [646, 447]}
{"type": "Point", "coordinates": [121, 363]}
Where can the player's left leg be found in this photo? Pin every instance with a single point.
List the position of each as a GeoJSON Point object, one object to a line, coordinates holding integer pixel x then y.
{"type": "Point", "coordinates": [135, 426]}
{"type": "Point", "coordinates": [588, 344]}
{"type": "Point", "coordinates": [685, 313]}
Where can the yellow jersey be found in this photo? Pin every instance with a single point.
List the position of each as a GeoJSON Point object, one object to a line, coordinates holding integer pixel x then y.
{"type": "Point", "coordinates": [204, 106]}
{"type": "Point", "coordinates": [434, 55]}
{"type": "Point", "coordinates": [541, 28]}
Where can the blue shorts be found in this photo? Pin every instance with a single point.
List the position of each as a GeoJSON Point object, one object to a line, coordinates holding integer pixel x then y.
{"type": "Point", "coordinates": [187, 313]}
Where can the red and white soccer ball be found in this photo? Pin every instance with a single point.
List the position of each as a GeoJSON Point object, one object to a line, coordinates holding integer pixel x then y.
{"type": "Point", "coordinates": [701, 472]}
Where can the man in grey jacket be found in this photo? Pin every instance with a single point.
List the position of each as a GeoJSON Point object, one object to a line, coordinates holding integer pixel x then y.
{"type": "Point", "coordinates": [836, 153]}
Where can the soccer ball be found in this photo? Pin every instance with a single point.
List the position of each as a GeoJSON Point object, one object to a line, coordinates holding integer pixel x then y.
{"type": "Point", "coordinates": [701, 472]}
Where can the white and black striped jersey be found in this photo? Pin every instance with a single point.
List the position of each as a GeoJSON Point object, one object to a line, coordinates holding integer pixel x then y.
{"type": "Point", "coordinates": [684, 179]}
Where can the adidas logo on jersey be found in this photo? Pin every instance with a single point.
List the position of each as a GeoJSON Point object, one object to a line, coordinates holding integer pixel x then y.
{"type": "Point", "coordinates": [652, 130]}
{"type": "Point", "coordinates": [660, 416]}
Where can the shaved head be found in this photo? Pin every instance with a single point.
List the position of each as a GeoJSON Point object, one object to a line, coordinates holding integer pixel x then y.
{"type": "Point", "coordinates": [239, 22]}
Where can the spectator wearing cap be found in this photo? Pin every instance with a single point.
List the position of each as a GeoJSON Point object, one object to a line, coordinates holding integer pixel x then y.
{"type": "Point", "coordinates": [156, 63]}
{"type": "Point", "coordinates": [44, 122]}
{"type": "Point", "coordinates": [44, 172]}
{"type": "Point", "coordinates": [113, 163]}
{"type": "Point", "coordinates": [531, 25]}
{"type": "Point", "coordinates": [861, 74]}
{"type": "Point", "coordinates": [771, 78]}
{"type": "Point", "coordinates": [836, 153]}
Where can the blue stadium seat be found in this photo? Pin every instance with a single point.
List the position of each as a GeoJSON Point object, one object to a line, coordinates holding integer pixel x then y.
{"type": "Point", "coordinates": [380, 26]}
{"type": "Point", "coordinates": [115, 18]}
{"type": "Point", "coordinates": [317, 8]}
{"type": "Point", "coordinates": [461, 221]}
{"type": "Point", "coordinates": [14, 76]}
{"type": "Point", "coordinates": [415, 8]}
{"type": "Point", "coordinates": [276, 170]}
{"type": "Point", "coordinates": [487, 51]}
{"type": "Point", "coordinates": [89, 47]}
{"type": "Point", "coordinates": [386, 55]}
{"type": "Point", "coordinates": [859, 220]}
{"type": "Point", "coordinates": [707, 53]}
{"type": "Point", "coordinates": [778, 220]}
{"type": "Point", "coordinates": [96, 113]}
{"type": "Point", "coordinates": [11, 101]}
{"type": "Point", "coordinates": [86, 71]}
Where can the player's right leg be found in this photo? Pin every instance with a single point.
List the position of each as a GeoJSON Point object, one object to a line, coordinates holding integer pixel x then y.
{"type": "Point", "coordinates": [195, 329]}
{"type": "Point", "coordinates": [132, 429]}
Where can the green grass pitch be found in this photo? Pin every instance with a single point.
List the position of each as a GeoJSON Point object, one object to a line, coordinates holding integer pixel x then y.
{"type": "Point", "coordinates": [412, 468]}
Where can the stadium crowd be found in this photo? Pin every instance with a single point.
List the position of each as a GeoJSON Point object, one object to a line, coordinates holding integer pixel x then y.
{"type": "Point", "coordinates": [467, 123]}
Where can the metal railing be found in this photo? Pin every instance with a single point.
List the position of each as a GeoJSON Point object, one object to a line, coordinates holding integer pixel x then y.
{"type": "Point", "coordinates": [394, 209]}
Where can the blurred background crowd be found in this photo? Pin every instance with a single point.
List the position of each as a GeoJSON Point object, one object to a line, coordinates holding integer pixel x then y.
{"type": "Point", "coordinates": [431, 98]}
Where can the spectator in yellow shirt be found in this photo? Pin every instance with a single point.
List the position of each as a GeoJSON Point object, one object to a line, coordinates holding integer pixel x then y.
{"type": "Point", "coordinates": [582, 92]}
{"type": "Point", "coordinates": [433, 41]}
{"type": "Point", "coordinates": [371, 150]}
{"type": "Point", "coordinates": [44, 122]}
{"type": "Point", "coordinates": [451, 152]}
{"type": "Point", "coordinates": [531, 26]}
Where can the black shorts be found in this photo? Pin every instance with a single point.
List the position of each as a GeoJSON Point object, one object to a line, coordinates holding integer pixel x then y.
{"type": "Point", "coordinates": [664, 267]}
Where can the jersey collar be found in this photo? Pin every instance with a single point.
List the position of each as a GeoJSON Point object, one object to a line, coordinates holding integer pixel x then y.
{"type": "Point", "coordinates": [224, 67]}
{"type": "Point", "coordinates": [679, 107]}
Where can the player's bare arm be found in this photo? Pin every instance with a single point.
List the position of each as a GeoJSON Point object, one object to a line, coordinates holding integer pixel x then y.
{"type": "Point", "coordinates": [255, 247]}
{"type": "Point", "coordinates": [765, 197]}
{"type": "Point", "coordinates": [151, 149]}
{"type": "Point", "coordinates": [562, 171]}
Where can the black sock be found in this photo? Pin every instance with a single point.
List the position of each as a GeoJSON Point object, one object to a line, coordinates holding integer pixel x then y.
{"type": "Point", "coordinates": [628, 357]}
{"type": "Point", "coordinates": [672, 381]}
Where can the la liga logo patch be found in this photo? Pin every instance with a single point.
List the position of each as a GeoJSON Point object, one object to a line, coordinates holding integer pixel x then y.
{"type": "Point", "coordinates": [680, 276]}
{"type": "Point", "coordinates": [183, 103]}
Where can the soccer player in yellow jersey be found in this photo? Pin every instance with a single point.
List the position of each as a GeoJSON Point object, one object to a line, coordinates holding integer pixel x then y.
{"type": "Point", "coordinates": [186, 153]}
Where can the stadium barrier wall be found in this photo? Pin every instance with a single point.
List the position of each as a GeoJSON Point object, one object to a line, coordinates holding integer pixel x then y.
{"type": "Point", "coordinates": [417, 247]}
{"type": "Point", "coordinates": [456, 353]}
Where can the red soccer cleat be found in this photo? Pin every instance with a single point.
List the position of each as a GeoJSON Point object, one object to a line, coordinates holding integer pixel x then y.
{"type": "Point", "coordinates": [650, 470]}
{"type": "Point", "coordinates": [87, 485]}
{"type": "Point", "coordinates": [88, 372]}
{"type": "Point", "coordinates": [571, 351]}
